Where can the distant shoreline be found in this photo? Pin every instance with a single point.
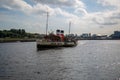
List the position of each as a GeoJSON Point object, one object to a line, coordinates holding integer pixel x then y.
{"type": "Point", "coordinates": [4, 40]}
{"type": "Point", "coordinates": [98, 39]}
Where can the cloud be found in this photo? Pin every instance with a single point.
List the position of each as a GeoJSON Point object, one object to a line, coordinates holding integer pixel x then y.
{"type": "Point", "coordinates": [115, 15]}
{"type": "Point", "coordinates": [40, 8]}
{"type": "Point", "coordinates": [115, 3]}
{"type": "Point", "coordinates": [102, 21]}
{"type": "Point", "coordinates": [67, 10]}
{"type": "Point", "coordinates": [106, 18]}
{"type": "Point", "coordinates": [65, 3]}
{"type": "Point", "coordinates": [21, 5]}
{"type": "Point", "coordinates": [110, 17]}
{"type": "Point", "coordinates": [15, 5]}
{"type": "Point", "coordinates": [81, 10]}
{"type": "Point", "coordinates": [59, 11]}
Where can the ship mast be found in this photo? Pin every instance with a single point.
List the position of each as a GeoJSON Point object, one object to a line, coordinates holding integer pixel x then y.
{"type": "Point", "coordinates": [47, 22]}
{"type": "Point", "coordinates": [69, 27]}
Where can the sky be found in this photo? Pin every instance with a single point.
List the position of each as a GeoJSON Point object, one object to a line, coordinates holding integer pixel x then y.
{"type": "Point", "coordinates": [86, 16]}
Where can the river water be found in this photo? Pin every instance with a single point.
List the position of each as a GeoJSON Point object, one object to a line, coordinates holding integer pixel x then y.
{"type": "Point", "coordinates": [90, 60]}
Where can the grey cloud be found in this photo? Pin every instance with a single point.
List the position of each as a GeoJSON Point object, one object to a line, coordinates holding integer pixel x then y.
{"type": "Point", "coordinates": [115, 16]}
{"type": "Point", "coordinates": [107, 18]}
{"type": "Point", "coordinates": [110, 23]}
{"type": "Point", "coordinates": [104, 22]}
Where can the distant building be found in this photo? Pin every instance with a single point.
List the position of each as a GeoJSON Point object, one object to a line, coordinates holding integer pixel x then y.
{"type": "Point", "coordinates": [101, 37]}
{"type": "Point", "coordinates": [94, 35]}
{"type": "Point", "coordinates": [104, 37]}
{"type": "Point", "coordinates": [116, 35]}
{"type": "Point", "coordinates": [86, 35]}
{"type": "Point", "coordinates": [70, 35]}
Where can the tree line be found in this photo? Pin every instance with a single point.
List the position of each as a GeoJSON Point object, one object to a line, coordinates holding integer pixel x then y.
{"type": "Point", "coordinates": [15, 33]}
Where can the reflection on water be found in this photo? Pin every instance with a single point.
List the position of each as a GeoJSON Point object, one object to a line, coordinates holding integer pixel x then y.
{"type": "Point", "coordinates": [90, 60]}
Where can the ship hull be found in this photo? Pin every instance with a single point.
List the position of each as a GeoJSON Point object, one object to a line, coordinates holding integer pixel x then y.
{"type": "Point", "coordinates": [45, 47]}
{"type": "Point", "coordinates": [42, 45]}
{"type": "Point", "coordinates": [70, 44]}
{"type": "Point", "coordinates": [48, 45]}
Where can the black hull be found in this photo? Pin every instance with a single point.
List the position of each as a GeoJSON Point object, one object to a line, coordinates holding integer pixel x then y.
{"type": "Point", "coordinates": [45, 47]}
{"type": "Point", "coordinates": [69, 45]}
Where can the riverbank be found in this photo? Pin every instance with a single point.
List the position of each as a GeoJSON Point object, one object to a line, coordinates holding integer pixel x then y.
{"type": "Point", "coordinates": [5, 40]}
